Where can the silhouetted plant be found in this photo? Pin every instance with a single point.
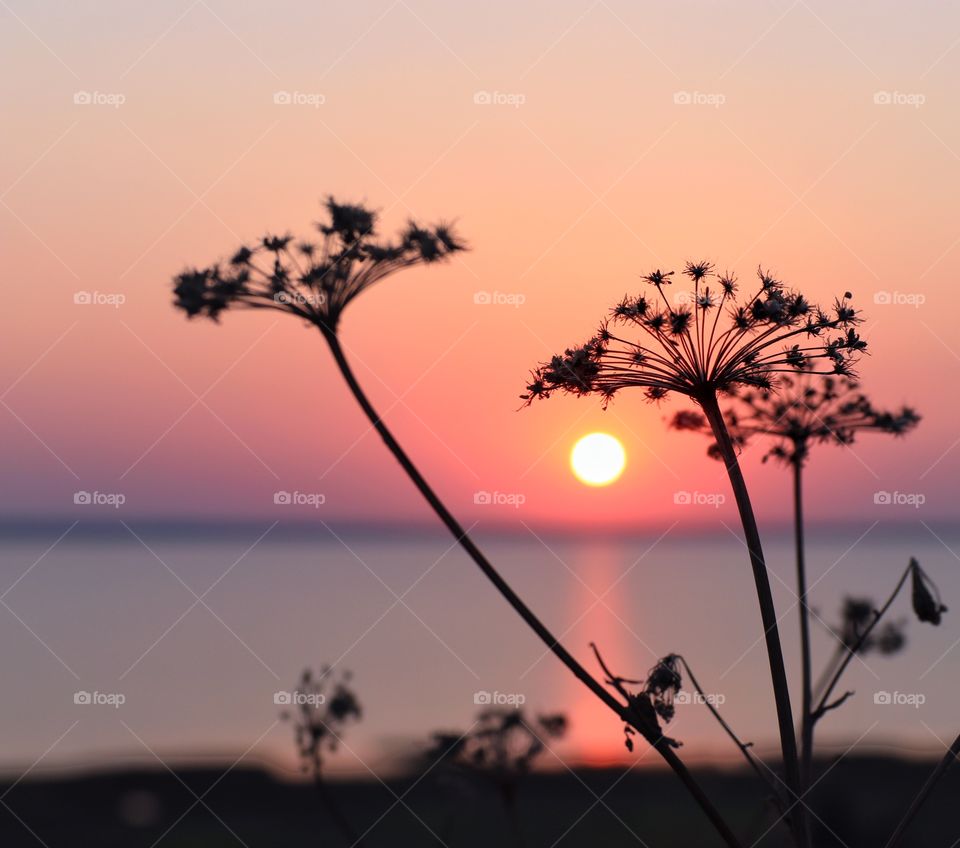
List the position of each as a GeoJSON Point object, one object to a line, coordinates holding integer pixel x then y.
{"type": "Point", "coordinates": [322, 707]}
{"type": "Point", "coordinates": [500, 750]}
{"type": "Point", "coordinates": [315, 281]}
{"type": "Point", "coordinates": [684, 349]}
{"type": "Point", "coordinates": [805, 410]}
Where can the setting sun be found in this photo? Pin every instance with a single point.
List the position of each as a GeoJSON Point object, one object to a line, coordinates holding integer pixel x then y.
{"type": "Point", "coordinates": [598, 459]}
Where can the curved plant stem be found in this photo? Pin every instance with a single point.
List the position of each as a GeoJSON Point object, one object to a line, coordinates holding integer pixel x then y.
{"type": "Point", "coordinates": [925, 791]}
{"type": "Point", "coordinates": [464, 540]}
{"type": "Point", "coordinates": [852, 650]}
{"type": "Point", "coordinates": [768, 613]}
{"type": "Point", "coordinates": [806, 717]}
{"type": "Point", "coordinates": [743, 746]}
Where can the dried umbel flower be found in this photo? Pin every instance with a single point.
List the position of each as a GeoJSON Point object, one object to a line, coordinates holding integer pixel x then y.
{"type": "Point", "coordinates": [663, 684]}
{"type": "Point", "coordinates": [805, 410]}
{"type": "Point", "coordinates": [717, 343]}
{"type": "Point", "coordinates": [314, 280]}
{"type": "Point", "coordinates": [926, 598]}
{"type": "Point", "coordinates": [321, 709]}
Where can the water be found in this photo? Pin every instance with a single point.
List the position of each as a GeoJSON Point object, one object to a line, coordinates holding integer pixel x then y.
{"type": "Point", "coordinates": [423, 632]}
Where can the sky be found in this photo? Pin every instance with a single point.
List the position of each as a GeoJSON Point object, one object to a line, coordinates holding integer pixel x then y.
{"type": "Point", "coordinates": [577, 146]}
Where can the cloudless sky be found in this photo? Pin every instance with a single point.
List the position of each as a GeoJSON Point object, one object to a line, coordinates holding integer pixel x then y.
{"type": "Point", "coordinates": [784, 157]}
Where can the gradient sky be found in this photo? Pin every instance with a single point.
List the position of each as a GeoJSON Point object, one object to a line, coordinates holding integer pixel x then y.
{"type": "Point", "coordinates": [818, 139]}
{"type": "Point", "coordinates": [598, 176]}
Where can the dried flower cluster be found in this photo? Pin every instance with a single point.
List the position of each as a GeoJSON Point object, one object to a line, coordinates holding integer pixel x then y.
{"type": "Point", "coordinates": [711, 341]}
{"type": "Point", "coordinates": [314, 280]}
{"type": "Point", "coordinates": [805, 410]}
{"type": "Point", "coordinates": [322, 708]}
{"type": "Point", "coordinates": [653, 702]}
{"type": "Point", "coordinates": [858, 617]}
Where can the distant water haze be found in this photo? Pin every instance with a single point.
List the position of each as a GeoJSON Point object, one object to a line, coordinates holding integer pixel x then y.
{"type": "Point", "coordinates": [423, 633]}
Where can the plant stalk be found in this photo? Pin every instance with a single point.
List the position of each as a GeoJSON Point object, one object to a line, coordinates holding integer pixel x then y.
{"type": "Point", "coordinates": [806, 716]}
{"type": "Point", "coordinates": [768, 613]}
{"type": "Point", "coordinates": [464, 540]}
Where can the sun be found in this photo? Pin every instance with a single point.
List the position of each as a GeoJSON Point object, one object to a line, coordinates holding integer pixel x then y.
{"type": "Point", "coordinates": [598, 459]}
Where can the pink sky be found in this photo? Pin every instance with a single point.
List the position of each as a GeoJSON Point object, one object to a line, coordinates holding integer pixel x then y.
{"type": "Point", "coordinates": [784, 157]}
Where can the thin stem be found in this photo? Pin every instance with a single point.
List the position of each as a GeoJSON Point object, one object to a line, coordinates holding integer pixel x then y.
{"type": "Point", "coordinates": [924, 792]}
{"type": "Point", "coordinates": [743, 746]}
{"type": "Point", "coordinates": [806, 719]}
{"type": "Point", "coordinates": [464, 540]}
{"type": "Point", "coordinates": [768, 613]}
{"type": "Point", "coordinates": [853, 649]}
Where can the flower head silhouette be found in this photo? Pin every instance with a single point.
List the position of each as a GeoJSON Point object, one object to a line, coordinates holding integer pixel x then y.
{"type": "Point", "coordinates": [805, 410]}
{"type": "Point", "coordinates": [314, 280]}
{"type": "Point", "coordinates": [707, 342]}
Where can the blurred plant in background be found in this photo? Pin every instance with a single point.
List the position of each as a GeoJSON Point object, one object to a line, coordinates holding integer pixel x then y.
{"type": "Point", "coordinates": [498, 750]}
{"type": "Point", "coordinates": [322, 707]}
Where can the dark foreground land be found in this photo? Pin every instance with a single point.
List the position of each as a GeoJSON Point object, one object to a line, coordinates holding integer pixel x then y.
{"type": "Point", "coordinates": [857, 802]}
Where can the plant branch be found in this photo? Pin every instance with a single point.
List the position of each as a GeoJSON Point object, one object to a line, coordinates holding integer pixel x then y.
{"type": "Point", "coordinates": [464, 540]}
{"type": "Point", "coordinates": [743, 746]}
{"type": "Point", "coordinates": [768, 614]}
{"type": "Point", "coordinates": [852, 650]}
{"type": "Point", "coordinates": [806, 720]}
